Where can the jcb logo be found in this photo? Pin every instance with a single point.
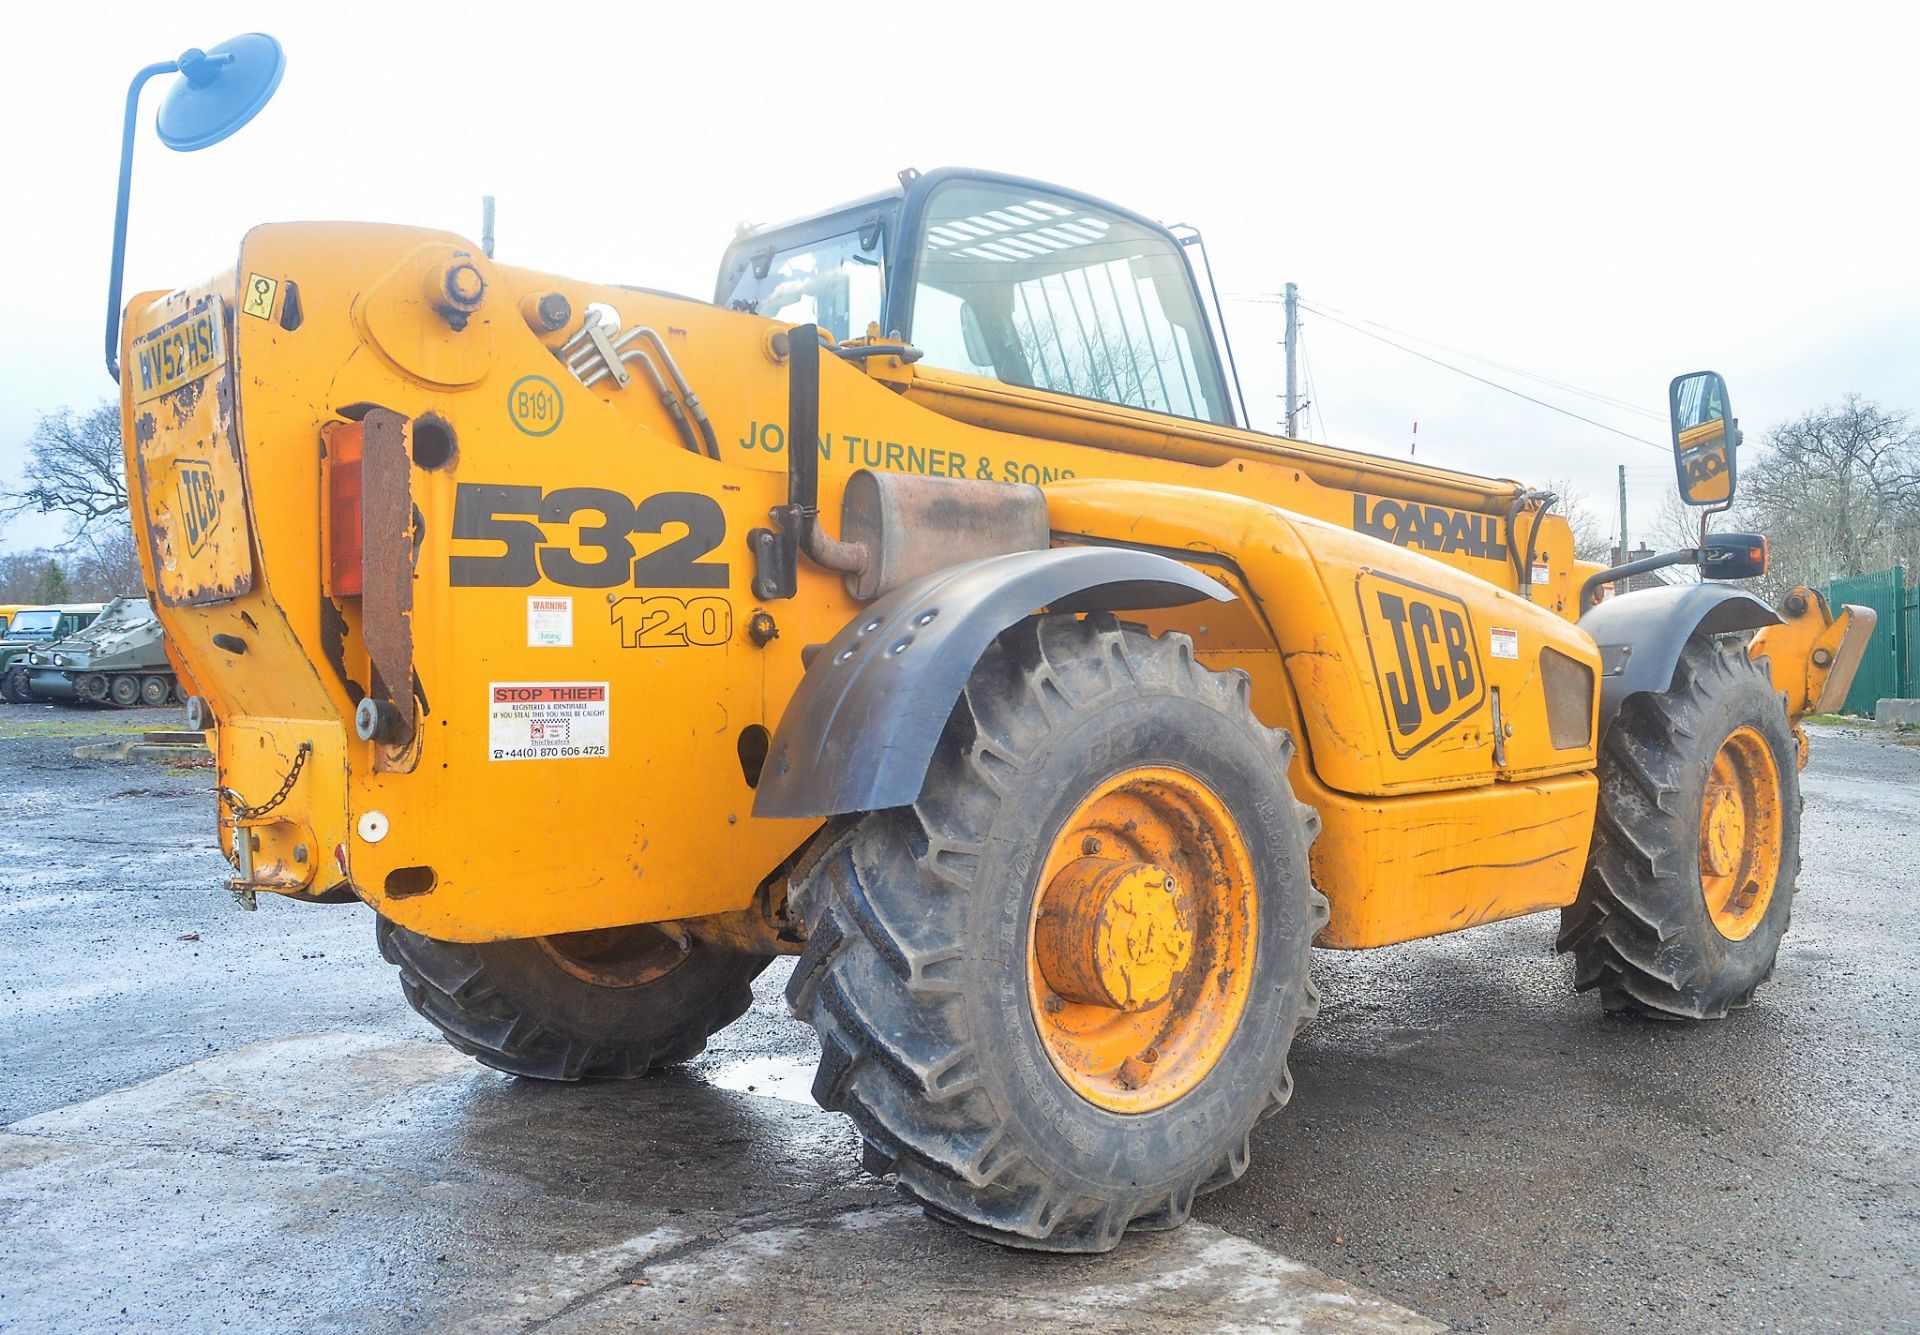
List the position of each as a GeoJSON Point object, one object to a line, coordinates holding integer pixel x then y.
{"type": "Point", "coordinates": [1425, 658]}
{"type": "Point", "coordinates": [199, 503]}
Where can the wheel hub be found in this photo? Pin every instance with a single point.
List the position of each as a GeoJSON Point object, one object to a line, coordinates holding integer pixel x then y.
{"type": "Point", "coordinates": [1113, 932]}
{"type": "Point", "coordinates": [1741, 827]}
{"type": "Point", "coordinates": [1141, 940]}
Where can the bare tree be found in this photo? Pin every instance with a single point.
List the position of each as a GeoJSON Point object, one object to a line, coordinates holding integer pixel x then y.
{"type": "Point", "coordinates": [1837, 492]}
{"type": "Point", "coordinates": [75, 469]}
{"type": "Point", "coordinates": [1590, 541]}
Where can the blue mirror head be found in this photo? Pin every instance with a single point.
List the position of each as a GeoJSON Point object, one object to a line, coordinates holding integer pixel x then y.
{"type": "Point", "coordinates": [219, 91]}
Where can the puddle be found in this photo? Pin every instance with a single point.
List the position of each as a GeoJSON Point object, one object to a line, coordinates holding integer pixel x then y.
{"type": "Point", "coordinates": [789, 1078]}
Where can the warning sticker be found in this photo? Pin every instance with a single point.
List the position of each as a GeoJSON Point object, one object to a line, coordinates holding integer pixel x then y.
{"type": "Point", "coordinates": [547, 720]}
{"type": "Point", "coordinates": [1541, 572]}
{"type": "Point", "coordinates": [549, 623]}
{"type": "Point", "coordinates": [261, 291]}
{"type": "Point", "coordinates": [1503, 643]}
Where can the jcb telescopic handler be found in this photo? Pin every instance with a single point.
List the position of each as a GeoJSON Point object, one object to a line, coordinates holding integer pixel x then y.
{"type": "Point", "coordinates": [922, 606]}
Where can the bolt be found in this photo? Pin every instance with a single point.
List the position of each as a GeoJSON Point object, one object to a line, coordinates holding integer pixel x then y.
{"type": "Point", "coordinates": [1796, 604]}
{"type": "Point", "coordinates": [1150, 1056]}
{"type": "Point", "coordinates": [1054, 1005]}
{"type": "Point", "coordinates": [1821, 657]}
{"type": "Point", "coordinates": [1171, 885]}
{"type": "Point", "coordinates": [1089, 846]}
{"type": "Point", "coordinates": [299, 852]}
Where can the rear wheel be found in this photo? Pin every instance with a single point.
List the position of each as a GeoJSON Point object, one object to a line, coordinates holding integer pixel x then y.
{"type": "Point", "coordinates": [156, 690]}
{"type": "Point", "coordinates": [1689, 885]}
{"type": "Point", "coordinates": [13, 686]}
{"type": "Point", "coordinates": [1056, 994]}
{"type": "Point", "coordinates": [125, 691]}
{"type": "Point", "coordinates": [609, 1004]}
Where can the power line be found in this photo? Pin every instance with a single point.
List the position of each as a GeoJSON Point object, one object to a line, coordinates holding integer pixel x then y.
{"type": "Point", "coordinates": [1608, 399]}
{"type": "Point", "coordinates": [1492, 384]}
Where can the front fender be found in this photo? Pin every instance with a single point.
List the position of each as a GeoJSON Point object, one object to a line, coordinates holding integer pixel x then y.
{"type": "Point", "coordinates": [860, 730]}
{"type": "Point", "coordinates": [1641, 635]}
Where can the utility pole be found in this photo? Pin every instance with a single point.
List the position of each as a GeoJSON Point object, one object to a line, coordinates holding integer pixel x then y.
{"type": "Point", "coordinates": [1624, 548]}
{"type": "Point", "coordinates": [1293, 359]}
{"type": "Point", "coordinates": [486, 225]}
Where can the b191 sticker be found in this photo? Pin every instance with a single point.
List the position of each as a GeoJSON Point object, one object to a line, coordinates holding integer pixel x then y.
{"type": "Point", "coordinates": [547, 720]}
{"type": "Point", "coordinates": [1426, 658]}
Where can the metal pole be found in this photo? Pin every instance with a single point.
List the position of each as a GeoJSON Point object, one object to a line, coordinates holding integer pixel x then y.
{"type": "Point", "coordinates": [1624, 548]}
{"type": "Point", "coordinates": [1293, 359]}
{"type": "Point", "coordinates": [118, 272]}
{"type": "Point", "coordinates": [486, 225]}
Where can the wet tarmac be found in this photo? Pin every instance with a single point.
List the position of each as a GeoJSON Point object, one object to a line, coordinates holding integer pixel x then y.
{"type": "Point", "coordinates": [210, 1117]}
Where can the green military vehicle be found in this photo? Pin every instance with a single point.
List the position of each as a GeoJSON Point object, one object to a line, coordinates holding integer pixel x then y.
{"type": "Point", "coordinates": [119, 659]}
{"type": "Point", "coordinates": [32, 628]}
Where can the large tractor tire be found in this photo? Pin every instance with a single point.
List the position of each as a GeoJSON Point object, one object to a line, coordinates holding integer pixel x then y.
{"type": "Point", "coordinates": [605, 1005]}
{"type": "Point", "coordinates": [1690, 881]}
{"type": "Point", "coordinates": [1056, 993]}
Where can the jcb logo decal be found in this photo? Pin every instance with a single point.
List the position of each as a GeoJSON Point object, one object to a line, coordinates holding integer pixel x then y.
{"type": "Point", "coordinates": [1425, 658]}
{"type": "Point", "coordinates": [199, 503]}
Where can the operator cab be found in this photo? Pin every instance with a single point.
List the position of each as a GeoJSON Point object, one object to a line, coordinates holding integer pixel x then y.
{"type": "Point", "coordinates": [1007, 279]}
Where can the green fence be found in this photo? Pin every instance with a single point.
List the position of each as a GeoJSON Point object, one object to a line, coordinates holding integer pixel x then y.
{"type": "Point", "coordinates": [1891, 668]}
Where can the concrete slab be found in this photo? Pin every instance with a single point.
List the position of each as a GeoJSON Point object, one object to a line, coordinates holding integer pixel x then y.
{"type": "Point", "coordinates": [1899, 713]}
{"type": "Point", "coordinates": [344, 1181]}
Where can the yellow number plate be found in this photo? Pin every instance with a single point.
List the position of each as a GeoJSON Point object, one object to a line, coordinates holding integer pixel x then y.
{"type": "Point", "coordinates": [179, 352]}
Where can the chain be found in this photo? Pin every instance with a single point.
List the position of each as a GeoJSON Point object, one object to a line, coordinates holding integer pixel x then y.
{"type": "Point", "coordinates": [238, 805]}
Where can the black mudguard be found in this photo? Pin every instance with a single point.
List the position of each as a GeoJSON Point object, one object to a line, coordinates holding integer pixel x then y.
{"type": "Point", "coordinates": [860, 730]}
{"type": "Point", "coordinates": [1641, 635]}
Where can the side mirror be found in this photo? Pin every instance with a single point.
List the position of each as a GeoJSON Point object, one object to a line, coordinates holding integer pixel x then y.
{"type": "Point", "coordinates": [1733, 556]}
{"type": "Point", "coordinates": [1705, 438]}
{"type": "Point", "coordinates": [219, 91]}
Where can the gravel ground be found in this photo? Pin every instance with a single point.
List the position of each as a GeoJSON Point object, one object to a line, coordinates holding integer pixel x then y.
{"type": "Point", "coordinates": [1468, 1138]}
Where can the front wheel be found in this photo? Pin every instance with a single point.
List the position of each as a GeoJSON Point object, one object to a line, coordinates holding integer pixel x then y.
{"type": "Point", "coordinates": [1689, 885]}
{"type": "Point", "coordinates": [1056, 994]}
{"type": "Point", "coordinates": [604, 1005]}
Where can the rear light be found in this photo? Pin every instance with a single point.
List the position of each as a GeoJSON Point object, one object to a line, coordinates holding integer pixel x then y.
{"type": "Point", "coordinates": [343, 445]}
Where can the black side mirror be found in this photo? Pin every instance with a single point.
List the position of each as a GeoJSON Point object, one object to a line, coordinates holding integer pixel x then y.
{"type": "Point", "coordinates": [1733, 556]}
{"type": "Point", "coordinates": [1705, 438]}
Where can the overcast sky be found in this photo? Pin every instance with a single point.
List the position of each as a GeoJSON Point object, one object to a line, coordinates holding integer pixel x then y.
{"type": "Point", "coordinates": [1602, 195]}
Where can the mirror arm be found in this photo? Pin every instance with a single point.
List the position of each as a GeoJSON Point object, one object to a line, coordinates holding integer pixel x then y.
{"type": "Point", "coordinates": [120, 210]}
{"type": "Point", "coordinates": [1683, 556]}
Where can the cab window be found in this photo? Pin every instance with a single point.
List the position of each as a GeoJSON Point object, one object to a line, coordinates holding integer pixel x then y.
{"type": "Point", "coordinates": [834, 282]}
{"type": "Point", "coordinates": [1056, 293]}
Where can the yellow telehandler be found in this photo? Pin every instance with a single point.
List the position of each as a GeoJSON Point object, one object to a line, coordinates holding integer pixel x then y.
{"type": "Point", "coordinates": [922, 606]}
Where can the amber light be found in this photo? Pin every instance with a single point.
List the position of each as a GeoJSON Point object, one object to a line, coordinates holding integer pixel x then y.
{"type": "Point", "coordinates": [343, 443]}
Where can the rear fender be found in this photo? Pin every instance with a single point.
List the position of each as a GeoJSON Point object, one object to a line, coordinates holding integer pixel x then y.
{"type": "Point", "coordinates": [860, 731]}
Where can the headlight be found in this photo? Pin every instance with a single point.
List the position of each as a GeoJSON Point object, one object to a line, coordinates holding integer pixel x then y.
{"type": "Point", "coordinates": [59, 660]}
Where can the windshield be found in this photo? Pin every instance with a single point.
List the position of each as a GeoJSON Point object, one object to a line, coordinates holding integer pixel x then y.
{"type": "Point", "coordinates": [834, 283]}
{"type": "Point", "coordinates": [1057, 293]}
{"type": "Point", "coordinates": [35, 625]}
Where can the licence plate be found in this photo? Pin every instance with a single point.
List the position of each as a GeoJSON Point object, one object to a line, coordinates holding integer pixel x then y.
{"type": "Point", "coordinates": [179, 352]}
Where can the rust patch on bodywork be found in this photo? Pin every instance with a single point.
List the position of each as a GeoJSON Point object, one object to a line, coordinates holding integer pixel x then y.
{"type": "Point", "coordinates": [191, 481]}
{"type": "Point", "coordinates": [387, 528]}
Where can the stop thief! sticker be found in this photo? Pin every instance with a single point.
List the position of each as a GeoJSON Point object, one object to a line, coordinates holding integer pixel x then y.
{"type": "Point", "coordinates": [547, 720]}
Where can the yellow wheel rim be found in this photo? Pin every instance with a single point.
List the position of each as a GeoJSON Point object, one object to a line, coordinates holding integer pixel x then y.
{"type": "Point", "coordinates": [1740, 828]}
{"type": "Point", "coordinates": [1141, 942]}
